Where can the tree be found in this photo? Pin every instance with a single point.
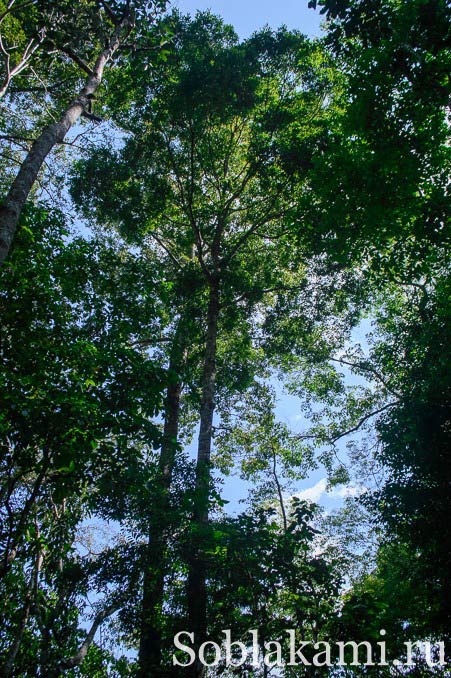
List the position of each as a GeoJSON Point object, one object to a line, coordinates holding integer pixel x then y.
{"type": "Point", "coordinates": [256, 205]}
{"type": "Point", "coordinates": [392, 155]}
{"type": "Point", "coordinates": [390, 152]}
{"type": "Point", "coordinates": [207, 177]}
{"type": "Point", "coordinates": [121, 21]}
{"type": "Point", "coordinates": [273, 576]}
{"type": "Point", "coordinates": [78, 406]}
{"type": "Point", "coordinates": [414, 435]}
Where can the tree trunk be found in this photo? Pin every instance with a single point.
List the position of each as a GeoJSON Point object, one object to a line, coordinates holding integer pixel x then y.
{"type": "Point", "coordinates": [150, 636]}
{"type": "Point", "coordinates": [14, 538]}
{"type": "Point", "coordinates": [8, 666]}
{"type": "Point", "coordinates": [31, 599]}
{"type": "Point", "coordinates": [52, 135]}
{"type": "Point", "coordinates": [83, 650]}
{"type": "Point", "coordinates": [196, 588]}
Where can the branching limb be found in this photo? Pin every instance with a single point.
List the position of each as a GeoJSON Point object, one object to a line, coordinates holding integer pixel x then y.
{"type": "Point", "coordinates": [10, 8]}
{"type": "Point", "coordinates": [367, 368]}
{"type": "Point", "coordinates": [76, 58]}
{"type": "Point", "coordinates": [353, 429]}
{"type": "Point", "coordinates": [80, 655]}
{"type": "Point", "coordinates": [21, 65]}
{"type": "Point", "coordinates": [360, 423]}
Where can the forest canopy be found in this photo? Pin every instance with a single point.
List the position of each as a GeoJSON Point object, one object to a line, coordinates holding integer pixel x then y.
{"type": "Point", "coordinates": [225, 330]}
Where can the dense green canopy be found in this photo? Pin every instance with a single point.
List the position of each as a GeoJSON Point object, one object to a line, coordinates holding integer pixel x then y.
{"type": "Point", "coordinates": [238, 225]}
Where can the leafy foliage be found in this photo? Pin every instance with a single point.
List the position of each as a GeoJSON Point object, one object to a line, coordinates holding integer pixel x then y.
{"type": "Point", "coordinates": [257, 206]}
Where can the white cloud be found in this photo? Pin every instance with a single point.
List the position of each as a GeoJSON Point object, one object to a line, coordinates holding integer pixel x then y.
{"type": "Point", "coordinates": [313, 493]}
{"type": "Point", "coordinates": [316, 492]}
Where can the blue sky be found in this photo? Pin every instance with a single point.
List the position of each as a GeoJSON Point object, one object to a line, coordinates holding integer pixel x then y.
{"type": "Point", "coordinates": [249, 15]}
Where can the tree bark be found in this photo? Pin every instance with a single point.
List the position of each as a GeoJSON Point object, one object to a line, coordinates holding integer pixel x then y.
{"type": "Point", "coordinates": [15, 536]}
{"type": "Point", "coordinates": [52, 135]}
{"type": "Point", "coordinates": [150, 645]}
{"type": "Point", "coordinates": [196, 586]}
{"type": "Point", "coordinates": [82, 651]}
{"type": "Point", "coordinates": [7, 668]}
{"type": "Point", "coordinates": [279, 491]}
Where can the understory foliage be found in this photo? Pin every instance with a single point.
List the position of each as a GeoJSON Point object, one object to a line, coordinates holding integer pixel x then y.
{"type": "Point", "coordinates": [254, 223]}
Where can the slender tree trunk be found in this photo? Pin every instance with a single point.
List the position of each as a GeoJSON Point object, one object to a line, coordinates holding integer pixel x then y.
{"type": "Point", "coordinates": [8, 666]}
{"type": "Point", "coordinates": [196, 589]}
{"type": "Point", "coordinates": [83, 650]}
{"type": "Point", "coordinates": [52, 135]}
{"type": "Point", "coordinates": [150, 637]}
{"type": "Point", "coordinates": [31, 600]}
{"type": "Point", "coordinates": [279, 491]}
{"type": "Point", "coordinates": [15, 536]}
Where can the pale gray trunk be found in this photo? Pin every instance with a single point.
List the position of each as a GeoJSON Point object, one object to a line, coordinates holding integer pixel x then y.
{"type": "Point", "coordinates": [52, 135]}
{"type": "Point", "coordinates": [80, 655]}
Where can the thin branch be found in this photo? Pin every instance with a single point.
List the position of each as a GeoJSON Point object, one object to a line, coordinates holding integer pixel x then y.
{"type": "Point", "coordinates": [80, 655]}
{"type": "Point", "coordinates": [360, 423]}
{"type": "Point", "coordinates": [265, 220]}
{"type": "Point", "coordinates": [81, 63]}
{"type": "Point", "coordinates": [367, 368]}
{"type": "Point", "coordinates": [10, 8]}
{"type": "Point", "coordinates": [110, 12]}
{"type": "Point", "coordinates": [167, 250]}
{"type": "Point", "coordinates": [23, 62]}
{"type": "Point", "coordinates": [354, 429]}
{"type": "Point", "coordinates": [15, 137]}
{"type": "Point", "coordinates": [279, 489]}
{"type": "Point", "coordinates": [15, 539]}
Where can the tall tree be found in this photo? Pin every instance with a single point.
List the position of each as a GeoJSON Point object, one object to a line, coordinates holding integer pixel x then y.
{"type": "Point", "coordinates": [78, 401]}
{"type": "Point", "coordinates": [414, 500]}
{"type": "Point", "coordinates": [388, 163]}
{"type": "Point", "coordinates": [392, 152]}
{"type": "Point", "coordinates": [107, 23]}
{"type": "Point", "coordinates": [210, 175]}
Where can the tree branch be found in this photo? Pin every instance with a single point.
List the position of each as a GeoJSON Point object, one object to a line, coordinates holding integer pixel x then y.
{"type": "Point", "coordinates": [10, 8]}
{"type": "Point", "coordinates": [110, 12]}
{"type": "Point", "coordinates": [81, 63]}
{"type": "Point", "coordinates": [354, 429]}
{"type": "Point", "coordinates": [361, 422]}
{"type": "Point", "coordinates": [79, 656]}
{"type": "Point", "coordinates": [367, 368]}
